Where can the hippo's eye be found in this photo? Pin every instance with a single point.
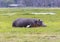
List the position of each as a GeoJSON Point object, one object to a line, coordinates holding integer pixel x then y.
{"type": "Point", "coordinates": [35, 21]}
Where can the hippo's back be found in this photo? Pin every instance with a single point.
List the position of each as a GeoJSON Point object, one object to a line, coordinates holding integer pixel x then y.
{"type": "Point", "coordinates": [23, 22]}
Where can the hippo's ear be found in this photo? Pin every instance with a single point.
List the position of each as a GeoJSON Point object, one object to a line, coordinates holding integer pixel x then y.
{"type": "Point", "coordinates": [39, 20]}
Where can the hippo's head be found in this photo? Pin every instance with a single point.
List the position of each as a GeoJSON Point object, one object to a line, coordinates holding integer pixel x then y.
{"type": "Point", "coordinates": [40, 23]}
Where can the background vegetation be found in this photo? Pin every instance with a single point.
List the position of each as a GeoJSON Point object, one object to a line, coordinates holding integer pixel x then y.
{"type": "Point", "coordinates": [51, 33]}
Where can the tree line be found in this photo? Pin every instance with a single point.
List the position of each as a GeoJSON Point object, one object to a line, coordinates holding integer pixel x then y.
{"type": "Point", "coordinates": [30, 3]}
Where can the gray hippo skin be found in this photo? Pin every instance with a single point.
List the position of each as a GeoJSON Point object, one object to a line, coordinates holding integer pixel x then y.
{"type": "Point", "coordinates": [27, 22]}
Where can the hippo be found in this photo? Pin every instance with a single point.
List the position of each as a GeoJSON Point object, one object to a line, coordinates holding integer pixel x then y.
{"type": "Point", "coordinates": [28, 22]}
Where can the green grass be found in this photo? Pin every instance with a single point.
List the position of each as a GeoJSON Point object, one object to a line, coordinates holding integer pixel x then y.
{"type": "Point", "coordinates": [13, 34]}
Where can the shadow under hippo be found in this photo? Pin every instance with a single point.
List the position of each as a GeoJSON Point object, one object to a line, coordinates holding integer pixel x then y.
{"type": "Point", "coordinates": [28, 22]}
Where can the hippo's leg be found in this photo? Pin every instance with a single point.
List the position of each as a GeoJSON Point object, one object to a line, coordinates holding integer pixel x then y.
{"type": "Point", "coordinates": [28, 26]}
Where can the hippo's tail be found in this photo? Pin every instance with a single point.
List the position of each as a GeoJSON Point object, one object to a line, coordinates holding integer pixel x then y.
{"type": "Point", "coordinates": [13, 25]}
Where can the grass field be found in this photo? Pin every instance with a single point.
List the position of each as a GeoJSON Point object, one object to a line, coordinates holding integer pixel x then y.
{"type": "Point", "coordinates": [51, 33]}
